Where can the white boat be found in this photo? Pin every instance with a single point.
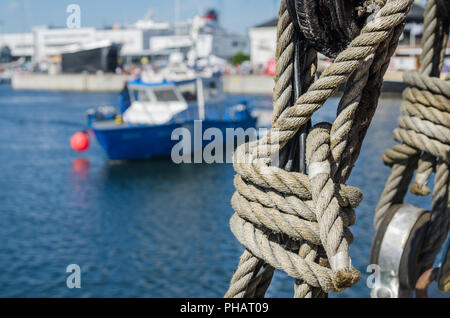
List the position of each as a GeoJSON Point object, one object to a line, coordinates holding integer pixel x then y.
{"type": "Point", "coordinates": [161, 103]}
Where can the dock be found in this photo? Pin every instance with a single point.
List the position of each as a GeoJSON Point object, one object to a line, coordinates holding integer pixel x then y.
{"type": "Point", "coordinates": [69, 82]}
{"type": "Point", "coordinates": [233, 84]}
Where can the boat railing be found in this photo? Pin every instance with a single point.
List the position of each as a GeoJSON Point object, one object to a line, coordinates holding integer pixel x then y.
{"type": "Point", "coordinates": [213, 111]}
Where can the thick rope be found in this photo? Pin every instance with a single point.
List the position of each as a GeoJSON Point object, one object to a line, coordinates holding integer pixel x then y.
{"type": "Point", "coordinates": [424, 131]}
{"type": "Point", "coordinates": [434, 40]}
{"type": "Point", "coordinates": [332, 227]}
{"type": "Point", "coordinates": [374, 33]}
{"type": "Point", "coordinates": [444, 275]}
{"type": "Point", "coordinates": [295, 222]}
{"type": "Point", "coordinates": [281, 98]}
{"type": "Point", "coordinates": [367, 108]}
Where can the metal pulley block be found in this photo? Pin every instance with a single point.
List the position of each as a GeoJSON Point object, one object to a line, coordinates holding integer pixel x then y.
{"type": "Point", "coordinates": [444, 9]}
{"type": "Point", "coordinates": [396, 249]}
{"type": "Point", "coordinates": [330, 25]}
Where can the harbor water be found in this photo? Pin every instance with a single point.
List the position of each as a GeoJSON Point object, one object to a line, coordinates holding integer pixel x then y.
{"type": "Point", "coordinates": [136, 229]}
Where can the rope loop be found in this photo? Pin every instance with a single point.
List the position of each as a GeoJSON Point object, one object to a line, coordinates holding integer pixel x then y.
{"type": "Point", "coordinates": [298, 221]}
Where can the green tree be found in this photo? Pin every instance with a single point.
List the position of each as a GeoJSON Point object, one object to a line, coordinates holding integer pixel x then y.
{"type": "Point", "coordinates": [238, 58]}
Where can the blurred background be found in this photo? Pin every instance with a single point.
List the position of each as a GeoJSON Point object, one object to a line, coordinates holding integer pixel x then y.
{"type": "Point", "coordinates": [146, 228]}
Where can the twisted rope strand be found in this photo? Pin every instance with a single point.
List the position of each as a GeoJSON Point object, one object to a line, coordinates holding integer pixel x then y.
{"type": "Point", "coordinates": [300, 223]}
{"type": "Point", "coordinates": [424, 130]}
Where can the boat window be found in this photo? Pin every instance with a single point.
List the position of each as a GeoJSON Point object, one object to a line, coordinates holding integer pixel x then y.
{"type": "Point", "coordinates": [212, 90]}
{"type": "Point", "coordinates": [134, 95]}
{"type": "Point", "coordinates": [144, 96]}
{"type": "Point", "coordinates": [166, 95]}
{"type": "Point", "coordinates": [189, 91]}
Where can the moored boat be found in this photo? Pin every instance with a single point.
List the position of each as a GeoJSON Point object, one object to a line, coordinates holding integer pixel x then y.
{"type": "Point", "coordinates": [145, 125]}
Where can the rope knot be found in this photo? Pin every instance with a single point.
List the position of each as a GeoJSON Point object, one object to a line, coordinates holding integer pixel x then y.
{"type": "Point", "coordinates": [299, 222]}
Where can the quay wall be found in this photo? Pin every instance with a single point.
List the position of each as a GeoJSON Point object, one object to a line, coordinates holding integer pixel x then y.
{"type": "Point", "coordinates": [69, 82]}
{"type": "Point", "coordinates": [233, 84]}
{"type": "Point", "coordinates": [248, 84]}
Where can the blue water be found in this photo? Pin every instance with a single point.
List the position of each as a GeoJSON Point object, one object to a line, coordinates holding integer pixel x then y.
{"type": "Point", "coordinates": [137, 229]}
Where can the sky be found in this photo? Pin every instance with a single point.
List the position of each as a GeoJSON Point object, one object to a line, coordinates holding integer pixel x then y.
{"type": "Point", "coordinates": [235, 15]}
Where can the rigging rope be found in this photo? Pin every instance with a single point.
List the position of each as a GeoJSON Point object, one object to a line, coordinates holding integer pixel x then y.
{"type": "Point", "coordinates": [444, 275]}
{"type": "Point", "coordinates": [424, 131]}
{"type": "Point", "coordinates": [298, 222]}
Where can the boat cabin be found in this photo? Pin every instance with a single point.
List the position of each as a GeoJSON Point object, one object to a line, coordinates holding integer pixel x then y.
{"type": "Point", "coordinates": [174, 101]}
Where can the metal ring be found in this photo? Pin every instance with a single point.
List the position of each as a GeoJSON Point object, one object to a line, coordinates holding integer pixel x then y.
{"type": "Point", "coordinates": [395, 250]}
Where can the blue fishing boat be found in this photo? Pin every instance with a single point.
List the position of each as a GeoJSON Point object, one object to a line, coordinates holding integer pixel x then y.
{"type": "Point", "coordinates": [151, 111]}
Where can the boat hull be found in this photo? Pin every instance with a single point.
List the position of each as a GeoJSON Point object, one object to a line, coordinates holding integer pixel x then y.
{"type": "Point", "coordinates": [145, 142]}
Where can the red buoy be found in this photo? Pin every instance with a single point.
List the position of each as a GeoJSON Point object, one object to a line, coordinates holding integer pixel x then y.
{"type": "Point", "coordinates": [80, 141]}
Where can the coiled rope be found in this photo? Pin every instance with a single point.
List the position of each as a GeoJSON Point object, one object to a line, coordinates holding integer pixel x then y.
{"type": "Point", "coordinates": [424, 134]}
{"type": "Point", "coordinates": [298, 222]}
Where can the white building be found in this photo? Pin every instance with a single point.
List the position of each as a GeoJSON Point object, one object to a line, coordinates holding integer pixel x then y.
{"type": "Point", "coordinates": [263, 39]}
{"type": "Point", "coordinates": [21, 44]}
{"type": "Point", "coordinates": [50, 42]}
{"type": "Point", "coordinates": [45, 42]}
{"type": "Point", "coordinates": [224, 46]}
{"type": "Point", "coordinates": [132, 40]}
{"type": "Point", "coordinates": [211, 39]}
{"type": "Point", "coordinates": [147, 37]}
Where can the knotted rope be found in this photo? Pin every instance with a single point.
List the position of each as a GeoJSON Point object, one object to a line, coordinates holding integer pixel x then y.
{"type": "Point", "coordinates": [424, 131]}
{"type": "Point", "coordinates": [298, 222]}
